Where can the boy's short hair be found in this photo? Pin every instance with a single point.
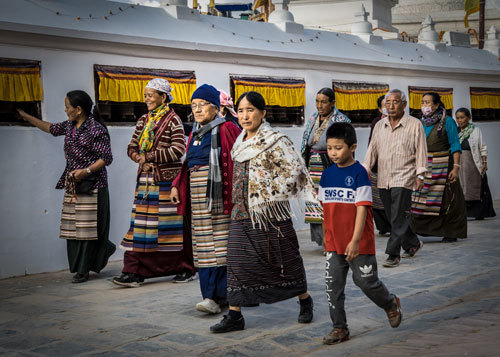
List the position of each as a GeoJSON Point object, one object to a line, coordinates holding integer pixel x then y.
{"type": "Point", "coordinates": [344, 131]}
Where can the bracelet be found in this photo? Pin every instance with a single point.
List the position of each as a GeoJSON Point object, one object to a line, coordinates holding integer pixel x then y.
{"type": "Point", "coordinates": [88, 170]}
{"type": "Point", "coordinates": [456, 165]}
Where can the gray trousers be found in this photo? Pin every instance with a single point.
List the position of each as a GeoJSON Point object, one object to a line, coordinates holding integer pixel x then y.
{"type": "Point", "coordinates": [397, 204]}
{"type": "Point", "coordinates": [364, 275]}
{"type": "Point", "coordinates": [316, 233]}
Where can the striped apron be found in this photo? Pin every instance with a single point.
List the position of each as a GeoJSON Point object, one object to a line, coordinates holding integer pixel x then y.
{"type": "Point", "coordinates": [210, 231]}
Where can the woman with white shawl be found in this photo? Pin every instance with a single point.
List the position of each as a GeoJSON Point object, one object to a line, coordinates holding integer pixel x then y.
{"type": "Point", "coordinates": [264, 264]}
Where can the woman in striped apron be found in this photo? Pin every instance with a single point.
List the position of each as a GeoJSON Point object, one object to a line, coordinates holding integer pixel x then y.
{"type": "Point", "coordinates": [156, 244]}
{"type": "Point", "coordinates": [438, 209]}
{"type": "Point", "coordinates": [85, 212]}
{"type": "Point", "coordinates": [203, 192]}
{"type": "Point", "coordinates": [313, 149]}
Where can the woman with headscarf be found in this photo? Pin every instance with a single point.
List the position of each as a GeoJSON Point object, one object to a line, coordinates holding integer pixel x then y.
{"type": "Point", "coordinates": [227, 108]}
{"type": "Point", "coordinates": [85, 211]}
{"type": "Point", "coordinates": [313, 149]}
{"type": "Point", "coordinates": [473, 166]}
{"type": "Point", "coordinates": [156, 244]}
{"type": "Point", "coordinates": [264, 261]}
{"type": "Point", "coordinates": [438, 209]}
{"type": "Point", "coordinates": [203, 191]}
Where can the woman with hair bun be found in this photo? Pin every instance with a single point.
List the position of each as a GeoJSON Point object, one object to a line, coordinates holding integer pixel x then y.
{"type": "Point", "coordinates": [473, 162]}
{"type": "Point", "coordinates": [85, 211]}
{"type": "Point", "coordinates": [313, 149]}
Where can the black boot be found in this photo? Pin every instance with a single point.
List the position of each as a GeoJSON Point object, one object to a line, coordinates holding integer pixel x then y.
{"type": "Point", "coordinates": [306, 310]}
{"type": "Point", "coordinates": [228, 324]}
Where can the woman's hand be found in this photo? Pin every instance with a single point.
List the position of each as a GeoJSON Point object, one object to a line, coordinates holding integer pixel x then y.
{"type": "Point", "coordinates": [453, 175]}
{"type": "Point", "coordinates": [22, 114]}
{"type": "Point", "coordinates": [485, 168]}
{"type": "Point", "coordinates": [147, 167]}
{"type": "Point", "coordinates": [174, 195]}
{"type": "Point", "coordinates": [79, 174]}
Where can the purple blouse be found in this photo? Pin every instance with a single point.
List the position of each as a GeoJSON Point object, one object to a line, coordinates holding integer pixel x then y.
{"type": "Point", "coordinates": [83, 146]}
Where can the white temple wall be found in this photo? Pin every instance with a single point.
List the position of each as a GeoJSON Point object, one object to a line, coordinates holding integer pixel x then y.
{"type": "Point", "coordinates": [32, 161]}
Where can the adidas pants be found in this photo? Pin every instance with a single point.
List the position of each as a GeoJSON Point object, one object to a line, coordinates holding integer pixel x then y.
{"type": "Point", "coordinates": [364, 275]}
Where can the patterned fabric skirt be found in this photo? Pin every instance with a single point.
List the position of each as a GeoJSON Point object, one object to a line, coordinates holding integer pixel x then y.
{"type": "Point", "coordinates": [470, 177]}
{"type": "Point", "coordinates": [92, 255]}
{"type": "Point", "coordinates": [315, 170]}
{"type": "Point", "coordinates": [210, 231]}
{"type": "Point", "coordinates": [79, 217]}
{"type": "Point", "coordinates": [263, 267]}
{"type": "Point", "coordinates": [429, 199]}
{"type": "Point", "coordinates": [155, 225]}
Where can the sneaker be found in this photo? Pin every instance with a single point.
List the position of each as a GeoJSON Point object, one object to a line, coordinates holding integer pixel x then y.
{"type": "Point", "coordinates": [306, 311]}
{"type": "Point", "coordinates": [337, 335]}
{"type": "Point", "coordinates": [412, 251]}
{"type": "Point", "coordinates": [209, 306]}
{"type": "Point", "coordinates": [228, 324]}
{"type": "Point", "coordinates": [183, 277]}
{"type": "Point", "coordinates": [391, 261]}
{"type": "Point", "coordinates": [394, 314]}
{"type": "Point", "coordinates": [128, 280]}
{"type": "Point", "coordinates": [80, 278]}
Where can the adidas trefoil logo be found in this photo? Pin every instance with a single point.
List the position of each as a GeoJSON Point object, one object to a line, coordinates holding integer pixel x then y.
{"type": "Point", "coordinates": [366, 270]}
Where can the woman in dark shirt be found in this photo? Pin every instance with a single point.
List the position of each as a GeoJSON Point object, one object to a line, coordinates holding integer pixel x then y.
{"type": "Point", "coordinates": [85, 212]}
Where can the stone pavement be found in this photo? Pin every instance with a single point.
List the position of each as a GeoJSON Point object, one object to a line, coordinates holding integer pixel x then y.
{"type": "Point", "coordinates": [450, 295]}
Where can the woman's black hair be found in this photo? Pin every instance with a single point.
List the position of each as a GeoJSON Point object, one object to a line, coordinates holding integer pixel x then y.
{"type": "Point", "coordinates": [463, 110]}
{"type": "Point", "coordinates": [436, 98]}
{"type": "Point", "coordinates": [379, 101]}
{"type": "Point", "coordinates": [255, 98]}
{"type": "Point", "coordinates": [167, 97]}
{"type": "Point", "coordinates": [80, 98]}
{"type": "Point", "coordinates": [328, 92]}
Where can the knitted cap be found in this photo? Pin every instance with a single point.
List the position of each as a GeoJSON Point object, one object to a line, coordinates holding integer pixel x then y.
{"type": "Point", "coordinates": [208, 93]}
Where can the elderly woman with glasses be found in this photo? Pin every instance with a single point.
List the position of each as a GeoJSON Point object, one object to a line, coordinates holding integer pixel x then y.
{"type": "Point", "coordinates": [203, 191]}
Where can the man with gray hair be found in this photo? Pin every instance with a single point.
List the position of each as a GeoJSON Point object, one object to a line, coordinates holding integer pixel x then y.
{"type": "Point", "coordinates": [399, 148]}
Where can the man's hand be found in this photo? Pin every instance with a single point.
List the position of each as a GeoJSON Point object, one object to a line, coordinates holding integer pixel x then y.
{"type": "Point", "coordinates": [419, 184]}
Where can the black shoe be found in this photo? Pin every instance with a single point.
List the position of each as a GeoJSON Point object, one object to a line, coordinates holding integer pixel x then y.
{"type": "Point", "coordinates": [228, 324]}
{"type": "Point", "coordinates": [128, 280]}
{"type": "Point", "coordinates": [80, 278]}
{"type": "Point", "coordinates": [306, 311]}
{"type": "Point", "coordinates": [392, 261]}
{"type": "Point", "coordinates": [183, 277]}
{"type": "Point", "coordinates": [449, 240]}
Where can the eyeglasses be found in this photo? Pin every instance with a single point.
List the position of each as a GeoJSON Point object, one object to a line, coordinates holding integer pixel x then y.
{"type": "Point", "coordinates": [200, 105]}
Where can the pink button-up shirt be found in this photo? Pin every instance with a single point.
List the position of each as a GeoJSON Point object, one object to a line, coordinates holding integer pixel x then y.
{"type": "Point", "coordinates": [401, 152]}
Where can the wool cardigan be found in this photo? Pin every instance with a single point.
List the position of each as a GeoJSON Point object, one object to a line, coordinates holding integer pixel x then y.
{"type": "Point", "coordinates": [228, 133]}
{"type": "Point", "coordinates": [478, 148]}
{"type": "Point", "coordinates": [168, 146]}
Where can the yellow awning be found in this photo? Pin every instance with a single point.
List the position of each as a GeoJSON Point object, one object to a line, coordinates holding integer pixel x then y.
{"type": "Point", "coordinates": [20, 80]}
{"type": "Point", "coordinates": [276, 91]}
{"type": "Point", "coordinates": [358, 96]}
{"type": "Point", "coordinates": [126, 84]}
{"type": "Point", "coordinates": [485, 98]}
{"type": "Point", "coordinates": [416, 94]}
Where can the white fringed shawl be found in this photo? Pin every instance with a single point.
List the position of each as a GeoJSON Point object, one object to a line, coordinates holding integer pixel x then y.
{"type": "Point", "coordinates": [277, 176]}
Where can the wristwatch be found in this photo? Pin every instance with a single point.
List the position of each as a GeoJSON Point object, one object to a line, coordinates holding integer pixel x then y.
{"type": "Point", "coordinates": [421, 177]}
{"type": "Point", "coordinates": [88, 170]}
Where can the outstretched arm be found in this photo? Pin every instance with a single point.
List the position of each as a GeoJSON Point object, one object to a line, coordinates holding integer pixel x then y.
{"type": "Point", "coordinates": [40, 124]}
